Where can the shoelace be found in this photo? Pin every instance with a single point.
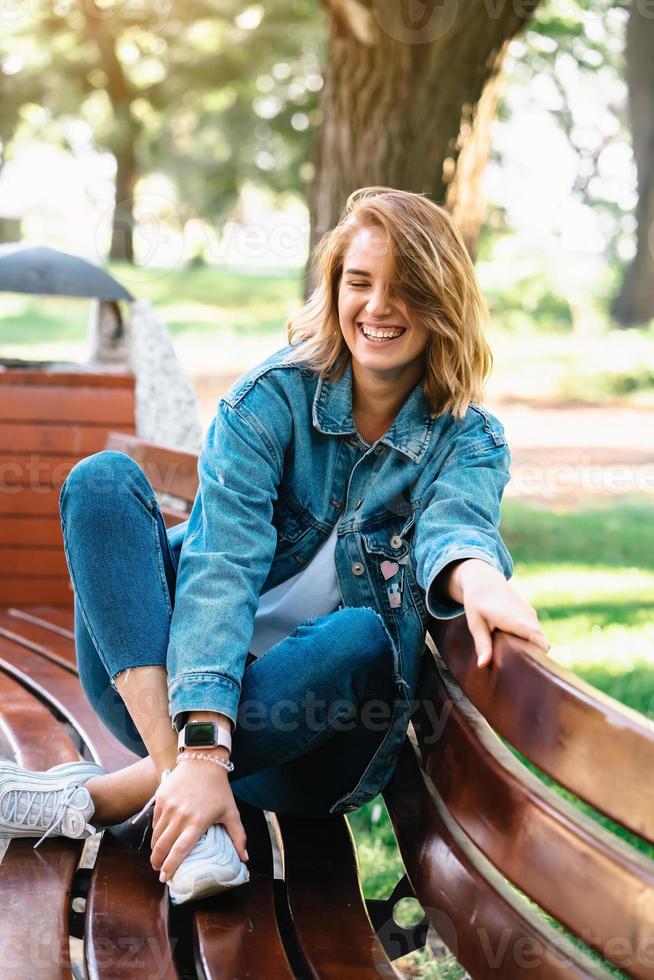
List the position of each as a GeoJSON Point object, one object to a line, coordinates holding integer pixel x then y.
{"type": "Point", "coordinates": [58, 799]}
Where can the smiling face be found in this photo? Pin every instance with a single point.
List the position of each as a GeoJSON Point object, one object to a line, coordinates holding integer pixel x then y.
{"type": "Point", "coordinates": [377, 325]}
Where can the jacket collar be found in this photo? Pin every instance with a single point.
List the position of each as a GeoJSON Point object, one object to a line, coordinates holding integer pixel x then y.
{"type": "Point", "coordinates": [410, 433]}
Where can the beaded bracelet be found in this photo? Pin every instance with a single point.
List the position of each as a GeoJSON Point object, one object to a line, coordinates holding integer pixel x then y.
{"type": "Point", "coordinates": [203, 756]}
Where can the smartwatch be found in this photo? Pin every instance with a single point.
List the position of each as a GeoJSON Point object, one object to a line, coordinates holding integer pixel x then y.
{"type": "Point", "coordinates": [203, 735]}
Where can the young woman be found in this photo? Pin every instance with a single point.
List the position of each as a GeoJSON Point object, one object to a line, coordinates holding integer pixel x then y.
{"type": "Point", "coordinates": [349, 485]}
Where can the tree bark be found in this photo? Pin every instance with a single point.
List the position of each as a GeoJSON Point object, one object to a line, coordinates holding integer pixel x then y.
{"type": "Point", "coordinates": [122, 229]}
{"type": "Point", "coordinates": [402, 89]}
{"type": "Point", "coordinates": [635, 303]}
{"type": "Point", "coordinates": [465, 196]}
{"type": "Point", "coordinates": [125, 133]}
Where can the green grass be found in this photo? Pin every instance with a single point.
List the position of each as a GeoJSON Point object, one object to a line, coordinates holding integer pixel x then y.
{"type": "Point", "coordinates": [205, 300]}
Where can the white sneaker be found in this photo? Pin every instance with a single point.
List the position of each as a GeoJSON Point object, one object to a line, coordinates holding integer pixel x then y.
{"type": "Point", "coordinates": [44, 804]}
{"type": "Point", "coordinates": [212, 865]}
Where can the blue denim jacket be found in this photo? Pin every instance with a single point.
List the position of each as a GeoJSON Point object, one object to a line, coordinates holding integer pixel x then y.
{"type": "Point", "coordinates": [282, 463]}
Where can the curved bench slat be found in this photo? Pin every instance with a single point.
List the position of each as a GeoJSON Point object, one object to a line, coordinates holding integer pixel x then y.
{"type": "Point", "coordinates": [58, 619]}
{"type": "Point", "coordinates": [594, 883]}
{"type": "Point", "coordinates": [236, 934]}
{"type": "Point", "coordinates": [561, 724]}
{"type": "Point", "coordinates": [35, 885]}
{"type": "Point", "coordinates": [126, 921]}
{"type": "Point", "coordinates": [39, 638]}
{"type": "Point", "coordinates": [326, 905]}
{"type": "Point", "coordinates": [61, 689]}
{"type": "Point", "coordinates": [490, 929]}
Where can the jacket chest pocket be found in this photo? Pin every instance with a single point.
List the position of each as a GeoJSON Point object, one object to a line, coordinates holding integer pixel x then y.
{"type": "Point", "coordinates": [389, 559]}
{"type": "Point", "coordinates": [290, 520]}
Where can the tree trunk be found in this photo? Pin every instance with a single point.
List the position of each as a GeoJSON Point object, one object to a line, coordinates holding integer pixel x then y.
{"type": "Point", "coordinates": [403, 84]}
{"type": "Point", "coordinates": [122, 231]}
{"type": "Point", "coordinates": [635, 303]}
{"type": "Point", "coordinates": [125, 130]}
{"type": "Point", "coordinates": [465, 197]}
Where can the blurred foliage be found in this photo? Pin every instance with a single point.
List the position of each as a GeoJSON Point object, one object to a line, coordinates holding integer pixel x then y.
{"type": "Point", "coordinates": [213, 94]}
{"type": "Point", "coordinates": [563, 48]}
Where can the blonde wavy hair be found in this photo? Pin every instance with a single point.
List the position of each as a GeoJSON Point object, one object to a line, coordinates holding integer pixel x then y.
{"type": "Point", "coordinates": [434, 275]}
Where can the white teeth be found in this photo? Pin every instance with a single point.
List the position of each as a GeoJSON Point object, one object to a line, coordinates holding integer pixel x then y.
{"type": "Point", "coordinates": [381, 334]}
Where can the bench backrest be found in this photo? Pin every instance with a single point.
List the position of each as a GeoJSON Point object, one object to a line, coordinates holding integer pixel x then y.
{"type": "Point", "coordinates": [48, 421]}
{"type": "Point", "coordinates": [476, 827]}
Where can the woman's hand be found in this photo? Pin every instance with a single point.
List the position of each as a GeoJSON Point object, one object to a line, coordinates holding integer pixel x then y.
{"type": "Point", "coordinates": [491, 604]}
{"type": "Point", "coordinates": [196, 795]}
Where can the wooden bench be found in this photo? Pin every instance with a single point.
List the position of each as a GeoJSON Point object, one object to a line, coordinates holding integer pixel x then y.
{"type": "Point", "coordinates": [488, 847]}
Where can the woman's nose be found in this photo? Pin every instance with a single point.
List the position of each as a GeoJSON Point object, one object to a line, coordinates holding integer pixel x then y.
{"type": "Point", "coordinates": [378, 303]}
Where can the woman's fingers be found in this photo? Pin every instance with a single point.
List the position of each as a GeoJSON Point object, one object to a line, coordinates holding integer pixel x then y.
{"type": "Point", "coordinates": [183, 843]}
{"type": "Point", "coordinates": [539, 639]}
{"type": "Point", "coordinates": [482, 637]}
{"type": "Point", "coordinates": [234, 828]}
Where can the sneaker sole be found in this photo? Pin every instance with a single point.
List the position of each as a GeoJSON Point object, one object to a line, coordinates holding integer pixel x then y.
{"type": "Point", "coordinates": [209, 886]}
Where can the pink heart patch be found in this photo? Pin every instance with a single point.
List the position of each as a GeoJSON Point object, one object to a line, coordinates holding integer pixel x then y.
{"type": "Point", "coordinates": [389, 569]}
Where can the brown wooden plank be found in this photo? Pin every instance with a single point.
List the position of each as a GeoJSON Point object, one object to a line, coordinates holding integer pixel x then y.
{"type": "Point", "coordinates": [35, 886]}
{"type": "Point", "coordinates": [236, 934]}
{"type": "Point", "coordinates": [60, 688]}
{"type": "Point", "coordinates": [64, 438]}
{"type": "Point", "coordinates": [127, 911]}
{"type": "Point", "coordinates": [488, 927]}
{"type": "Point", "coordinates": [22, 501]}
{"type": "Point", "coordinates": [29, 403]}
{"type": "Point", "coordinates": [32, 562]}
{"type": "Point", "coordinates": [25, 591]}
{"type": "Point", "coordinates": [126, 921]}
{"type": "Point", "coordinates": [326, 905]}
{"type": "Point", "coordinates": [97, 378]}
{"type": "Point", "coordinates": [37, 531]}
{"type": "Point", "coordinates": [594, 883]}
{"type": "Point", "coordinates": [34, 737]}
{"type": "Point", "coordinates": [36, 470]}
{"type": "Point", "coordinates": [172, 517]}
{"type": "Point", "coordinates": [55, 618]}
{"type": "Point", "coordinates": [39, 638]}
{"type": "Point", "coordinates": [171, 470]}
{"type": "Point", "coordinates": [560, 723]}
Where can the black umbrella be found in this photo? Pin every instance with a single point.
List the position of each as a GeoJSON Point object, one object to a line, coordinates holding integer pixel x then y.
{"type": "Point", "coordinates": [25, 269]}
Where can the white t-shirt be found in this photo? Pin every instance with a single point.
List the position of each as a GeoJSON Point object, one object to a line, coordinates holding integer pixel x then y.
{"type": "Point", "coordinates": [312, 592]}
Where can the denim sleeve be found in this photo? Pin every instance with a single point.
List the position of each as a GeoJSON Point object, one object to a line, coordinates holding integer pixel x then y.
{"type": "Point", "coordinates": [459, 519]}
{"type": "Point", "coordinates": [225, 557]}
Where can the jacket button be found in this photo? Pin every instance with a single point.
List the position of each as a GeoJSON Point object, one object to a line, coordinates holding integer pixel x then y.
{"type": "Point", "coordinates": [396, 541]}
{"type": "Point", "coordinates": [357, 568]}
{"type": "Point", "coordinates": [379, 450]}
{"type": "Point", "coordinates": [358, 504]}
{"type": "Point", "coordinates": [391, 757]}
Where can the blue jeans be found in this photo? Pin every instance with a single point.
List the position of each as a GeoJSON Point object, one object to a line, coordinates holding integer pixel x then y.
{"type": "Point", "coordinates": [313, 709]}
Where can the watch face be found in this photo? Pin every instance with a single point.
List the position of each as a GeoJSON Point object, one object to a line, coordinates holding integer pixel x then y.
{"type": "Point", "coordinates": [200, 733]}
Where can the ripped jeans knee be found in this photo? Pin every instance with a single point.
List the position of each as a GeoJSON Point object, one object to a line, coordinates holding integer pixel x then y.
{"type": "Point", "coordinates": [125, 673]}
